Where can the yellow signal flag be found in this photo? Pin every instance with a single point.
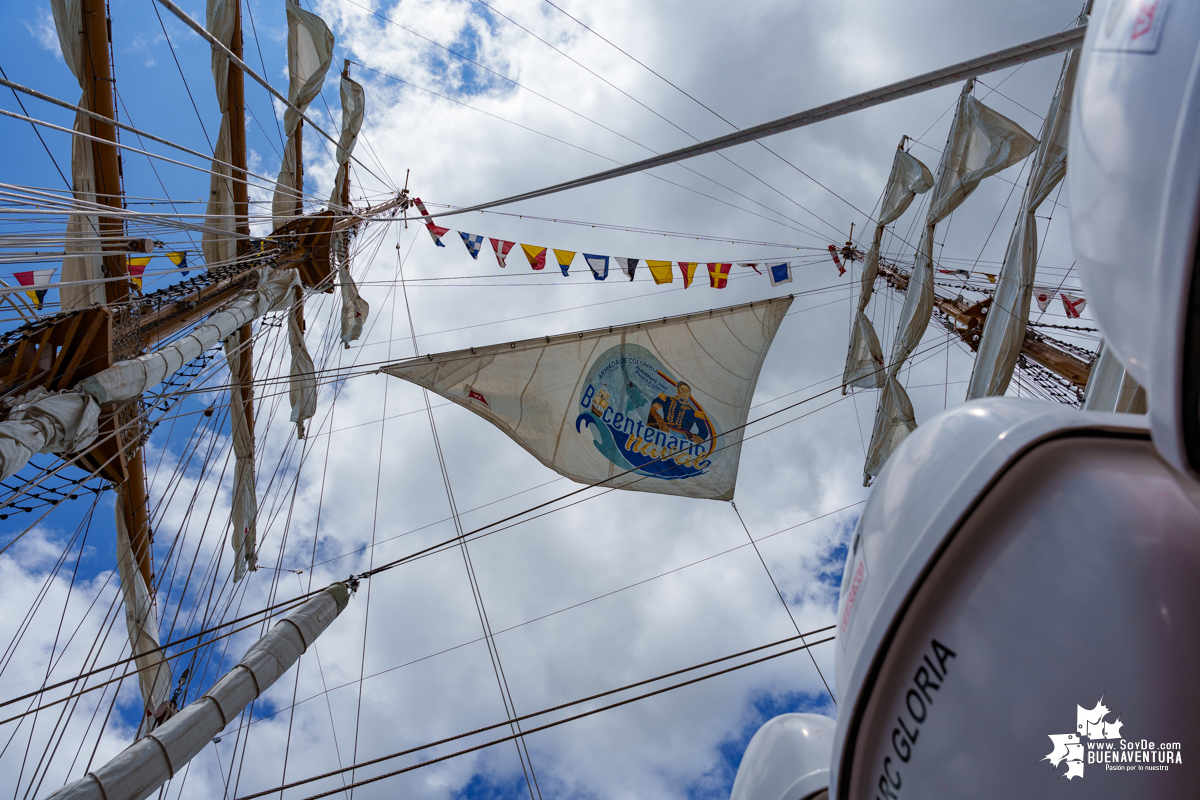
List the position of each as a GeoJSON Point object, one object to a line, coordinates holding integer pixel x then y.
{"type": "Point", "coordinates": [565, 257]}
{"type": "Point", "coordinates": [661, 271]}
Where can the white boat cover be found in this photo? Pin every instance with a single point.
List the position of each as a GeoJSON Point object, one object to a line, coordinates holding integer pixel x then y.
{"type": "Point", "coordinates": [981, 143]}
{"type": "Point", "coordinates": [1110, 388]}
{"type": "Point", "coordinates": [221, 18]}
{"type": "Point", "coordinates": [82, 229]}
{"type": "Point", "coordinates": [141, 621]}
{"type": "Point", "coordinates": [243, 537]}
{"type": "Point", "coordinates": [864, 359]}
{"type": "Point", "coordinates": [144, 766]}
{"type": "Point", "coordinates": [653, 407]}
{"type": "Point", "coordinates": [1008, 316]}
{"type": "Point", "coordinates": [310, 51]}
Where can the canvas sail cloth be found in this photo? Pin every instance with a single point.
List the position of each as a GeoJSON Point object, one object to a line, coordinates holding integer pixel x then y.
{"type": "Point", "coordinates": [654, 407]}
{"type": "Point", "coordinates": [1008, 316]}
{"type": "Point", "coordinates": [981, 143]}
{"type": "Point", "coordinates": [310, 51]}
{"type": "Point", "coordinates": [1110, 388]}
{"type": "Point", "coordinates": [82, 229]}
{"type": "Point", "coordinates": [244, 504]}
{"type": "Point", "coordinates": [219, 242]}
{"type": "Point", "coordinates": [864, 359]}
{"type": "Point", "coordinates": [141, 621]}
{"type": "Point", "coordinates": [354, 308]}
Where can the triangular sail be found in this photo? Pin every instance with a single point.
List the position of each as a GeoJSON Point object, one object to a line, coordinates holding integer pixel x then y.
{"type": "Point", "coordinates": [981, 143]}
{"type": "Point", "coordinates": [1008, 317]}
{"type": "Point", "coordinates": [654, 407]}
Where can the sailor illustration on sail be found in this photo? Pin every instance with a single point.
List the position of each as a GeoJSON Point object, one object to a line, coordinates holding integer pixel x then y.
{"type": "Point", "coordinates": [680, 414]}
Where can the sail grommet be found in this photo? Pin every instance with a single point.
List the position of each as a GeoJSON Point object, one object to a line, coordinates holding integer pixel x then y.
{"type": "Point", "coordinates": [513, 345]}
{"type": "Point", "coordinates": [547, 340]}
{"type": "Point", "coordinates": [472, 351]}
{"type": "Point", "coordinates": [430, 356]}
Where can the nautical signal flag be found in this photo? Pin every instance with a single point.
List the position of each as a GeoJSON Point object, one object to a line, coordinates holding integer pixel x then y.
{"type": "Point", "coordinates": [473, 242]}
{"type": "Point", "coordinates": [718, 275]}
{"type": "Point", "coordinates": [962, 273]}
{"type": "Point", "coordinates": [565, 257]}
{"type": "Point", "coordinates": [501, 247]}
{"type": "Point", "coordinates": [598, 265]}
{"type": "Point", "coordinates": [180, 260]}
{"type": "Point", "coordinates": [661, 271]}
{"type": "Point", "coordinates": [688, 270]}
{"type": "Point", "coordinates": [752, 265]}
{"type": "Point", "coordinates": [780, 273]}
{"type": "Point", "coordinates": [1043, 297]}
{"type": "Point", "coordinates": [627, 265]}
{"type": "Point", "coordinates": [536, 255]}
{"type": "Point", "coordinates": [35, 278]}
{"type": "Point", "coordinates": [437, 232]}
{"type": "Point", "coordinates": [991, 278]}
{"type": "Point", "coordinates": [137, 268]}
{"type": "Point", "coordinates": [837, 261]}
{"type": "Point", "coordinates": [1073, 304]}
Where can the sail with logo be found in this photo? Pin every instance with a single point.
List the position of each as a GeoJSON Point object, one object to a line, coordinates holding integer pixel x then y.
{"type": "Point", "coordinates": [652, 407]}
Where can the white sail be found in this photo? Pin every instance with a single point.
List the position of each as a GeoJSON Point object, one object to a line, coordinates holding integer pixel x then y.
{"type": "Point", "coordinates": [981, 143]}
{"type": "Point", "coordinates": [221, 18]}
{"type": "Point", "coordinates": [302, 382]}
{"type": "Point", "coordinates": [654, 407]}
{"type": "Point", "coordinates": [864, 359]}
{"type": "Point", "coordinates": [1008, 316]}
{"type": "Point", "coordinates": [354, 308]}
{"type": "Point", "coordinates": [244, 505]}
{"type": "Point", "coordinates": [141, 622]}
{"type": "Point", "coordinates": [82, 229]}
{"type": "Point", "coordinates": [310, 51]}
{"type": "Point", "coordinates": [354, 107]}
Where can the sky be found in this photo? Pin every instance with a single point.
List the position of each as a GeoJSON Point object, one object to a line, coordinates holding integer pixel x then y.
{"type": "Point", "coordinates": [596, 594]}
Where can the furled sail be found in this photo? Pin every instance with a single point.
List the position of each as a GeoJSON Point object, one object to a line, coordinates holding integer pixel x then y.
{"type": "Point", "coordinates": [1008, 317]}
{"type": "Point", "coordinates": [219, 248]}
{"type": "Point", "coordinates": [354, 106]}
{"type": "Point", "coordinates": [653, 407]}
{"type": "Point", "coordinates": [141, 622]}
{"type": "Point", "coordinates": [244, 506]}
{"type": "Point", "coordinates": [310, 51]}
{"type": "Point", "coordinates": [82, 229]}
{"type": "Point", "coordinates": [981, 143]}
{"type": "Point", "coordinates": [354, 308]}
{"type": "Point", "coordinates": [864, 360]}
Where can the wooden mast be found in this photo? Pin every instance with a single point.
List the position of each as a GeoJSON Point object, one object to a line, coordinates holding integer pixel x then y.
{"type": "Point", "coordinates": [236, 92]}
{"type": "Point", "coordinates": [100, 100]}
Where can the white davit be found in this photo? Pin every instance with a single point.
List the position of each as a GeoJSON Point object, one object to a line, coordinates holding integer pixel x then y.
{"type": "Point", "coordinates": [788, 759]}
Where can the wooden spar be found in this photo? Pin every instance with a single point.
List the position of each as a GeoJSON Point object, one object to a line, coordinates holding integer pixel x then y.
{"type": "Point", "coordinates": [108, 165]}
{"type": "Point", "coordinates": [236, 93]}
{"type": "Point", "coordinates": [96, 39]}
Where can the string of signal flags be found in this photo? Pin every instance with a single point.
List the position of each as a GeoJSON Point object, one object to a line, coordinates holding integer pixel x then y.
{"type": "Point", "coordinates": [779, 272]}
{"type": "Point", "coordinates": [37, 281]}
